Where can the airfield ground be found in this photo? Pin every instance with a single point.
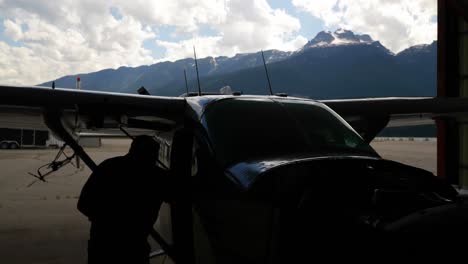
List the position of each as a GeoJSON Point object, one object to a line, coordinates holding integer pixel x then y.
{"type": "Point", "coordinates": [40, 224]}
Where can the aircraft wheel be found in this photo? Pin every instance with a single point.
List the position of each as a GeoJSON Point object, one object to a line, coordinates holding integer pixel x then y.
{"type": "Point", "coordinates": [14, 146]}
{"type": "Point", "coordinates": [4, 145]}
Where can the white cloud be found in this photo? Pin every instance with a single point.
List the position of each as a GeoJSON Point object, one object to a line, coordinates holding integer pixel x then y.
{"type": "Point", "coordinates": [185, 15]}
{"type": "Point", "coordinates": [206, 46]}
{"type": "Point", "coordinates": [56, 38]}
{"type": "Point", "coordinates": [247, 26]}
{"type": "Point", "coordinates": [398, 24]}
{"type": "Point", "coordinates": [18, 64]}
{"type": "Point", "coordinates": [12, 30]}
{"type": "Point", "coordinates": [64, 37]}
{"type": "Point", "coordinates": [67, 37]}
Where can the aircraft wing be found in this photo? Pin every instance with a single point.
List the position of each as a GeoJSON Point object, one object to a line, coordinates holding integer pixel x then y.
{"type": "Point", "coordinates": [95, 110]}
{"type": "Point", "coordinates": [369, 116]}
{"type": "Point", "coordinates": [67, 112]}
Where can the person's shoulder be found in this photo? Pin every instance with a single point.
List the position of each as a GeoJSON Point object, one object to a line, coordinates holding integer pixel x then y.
{"type": "Point", "coordinates": [112, 161]}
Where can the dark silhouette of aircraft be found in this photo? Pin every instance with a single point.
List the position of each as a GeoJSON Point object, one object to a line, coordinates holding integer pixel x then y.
{"type": "Point", "coordinates": [271, 179]}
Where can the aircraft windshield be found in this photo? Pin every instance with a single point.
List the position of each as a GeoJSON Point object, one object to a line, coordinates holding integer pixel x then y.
{"type": "Point", "coordinates": [243, 129]}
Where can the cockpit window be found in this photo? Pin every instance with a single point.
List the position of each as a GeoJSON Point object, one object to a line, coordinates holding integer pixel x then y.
{"type": "Point", "coordinates": [242, 129]}
{"type": "Point", "coordinates": [324, 129]}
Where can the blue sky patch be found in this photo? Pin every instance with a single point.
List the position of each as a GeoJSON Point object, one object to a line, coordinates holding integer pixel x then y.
{"type": "Point", "coordinates": [310, 25]}
{"type": "Point", "coordinates": [207, 30]}
{"type": "Point", "coordinates": [157, 52]}
{"type": "Point", "coordinates": [167, 33]}
{"type": "Point", "coordinates": [115, 12]}
{"type": "Point", "coordinates": [8, 40]}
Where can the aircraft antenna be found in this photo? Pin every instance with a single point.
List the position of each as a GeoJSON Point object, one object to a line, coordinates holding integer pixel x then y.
{"type": "Point", "coordinates": [196, 67]}
{"type": "Point", "coordinates": [267, 75]}
{"type": "Point", "coordinates": [186, 84]}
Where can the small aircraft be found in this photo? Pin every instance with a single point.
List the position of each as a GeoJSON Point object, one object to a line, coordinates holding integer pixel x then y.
{"type": "Point", "coordinates": [269, 179]}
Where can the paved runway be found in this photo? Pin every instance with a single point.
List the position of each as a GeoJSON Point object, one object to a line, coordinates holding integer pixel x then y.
{"type": "Point", "coordinates": [40, 224]}
{"type": "Point", "coordinates": [420, 154]}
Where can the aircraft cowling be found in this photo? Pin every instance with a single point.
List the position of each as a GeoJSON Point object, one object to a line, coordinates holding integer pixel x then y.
{"type": "Point", "coordinates": [345, 204]}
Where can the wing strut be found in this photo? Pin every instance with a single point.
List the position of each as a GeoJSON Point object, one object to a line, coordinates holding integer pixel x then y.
{"type": "Point", "coordinates": [53, 120]}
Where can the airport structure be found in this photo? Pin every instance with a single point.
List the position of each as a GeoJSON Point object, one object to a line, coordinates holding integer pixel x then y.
{"type": "Point", "coordinates": [30, 132]}
{"type": "Point", "coordinates": [452, 149]}
{"type": "Point", "coordinates": [19, 138]}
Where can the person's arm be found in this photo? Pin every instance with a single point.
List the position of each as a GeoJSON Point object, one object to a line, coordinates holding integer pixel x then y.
{"type": "Point", "coordinates": [89, 194]}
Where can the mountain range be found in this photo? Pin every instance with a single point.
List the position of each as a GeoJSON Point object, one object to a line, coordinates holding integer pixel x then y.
{"type": "Point", "coordinates": [338, 64]}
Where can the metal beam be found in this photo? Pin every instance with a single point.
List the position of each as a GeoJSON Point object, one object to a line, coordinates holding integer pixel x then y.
{"type": "Point", "coordinates": [181, 207]}
{"type": "Point", "coordinates": [167, 249]}
{"type": "Point", "coordinates": [53, 120]}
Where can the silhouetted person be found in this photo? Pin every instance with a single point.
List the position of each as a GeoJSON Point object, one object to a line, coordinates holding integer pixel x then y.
{"type": "Point", "coordinates": [122, 198]}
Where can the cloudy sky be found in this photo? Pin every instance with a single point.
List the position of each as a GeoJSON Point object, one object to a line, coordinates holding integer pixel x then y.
{"type": "Point", "coordinates": [41, 40]}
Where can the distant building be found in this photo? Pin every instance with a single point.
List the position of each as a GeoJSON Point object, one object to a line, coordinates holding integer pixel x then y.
{"type": "Point", "coordinates": [15, 138]}
{"type": "Point", "coordinates": [24, 130]}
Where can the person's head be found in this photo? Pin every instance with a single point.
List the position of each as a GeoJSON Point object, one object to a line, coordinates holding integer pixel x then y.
{"type": "Point", "coordinates": [145, 149]}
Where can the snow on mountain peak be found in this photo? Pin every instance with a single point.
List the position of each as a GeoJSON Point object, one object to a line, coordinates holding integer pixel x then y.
{"type": "Point", "coordinates": [340, 31]}
{"type": "Point", "coordinates": [338, 38]}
